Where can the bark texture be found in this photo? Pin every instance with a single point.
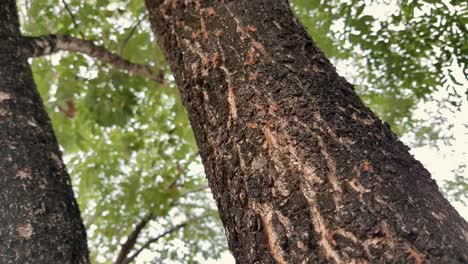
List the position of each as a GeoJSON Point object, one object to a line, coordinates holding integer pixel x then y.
{"type": "Point", "coordinates": [301, 170]}
{"type": "Point", "coordinates": [39, 218]}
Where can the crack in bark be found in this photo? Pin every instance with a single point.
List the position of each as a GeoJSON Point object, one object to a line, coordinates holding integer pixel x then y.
{"type": "Point", "coordinates": [230, 93]}
{"type": "Point", "coordinates": [308, 191]}
{"type": "Point", "coordinates": [320, 227]}
{"type": "Point", "coordinates": [331, 171]}
{"type": "Point", "coordinates": [266, 214]}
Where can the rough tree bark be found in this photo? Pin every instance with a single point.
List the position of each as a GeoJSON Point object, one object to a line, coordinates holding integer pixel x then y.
{"type": "Point", "coordinates": [301, 170]}
{"type": "Point", "coordinates": [39, 218]}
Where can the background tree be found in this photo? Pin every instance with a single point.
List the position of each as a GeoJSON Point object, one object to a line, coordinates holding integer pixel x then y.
{"type": "Point", "coordinates": [39, 218]}
{"type": "Point", "coordinates": [127, 140]}
{"type": "Point", "coordinates": [115, 128]}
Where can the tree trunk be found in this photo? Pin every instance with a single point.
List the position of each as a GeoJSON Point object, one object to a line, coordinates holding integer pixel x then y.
{"type": "Point", "coordinates": [301, 170]}
{"type": "Point", "coordinates": [39, 218]}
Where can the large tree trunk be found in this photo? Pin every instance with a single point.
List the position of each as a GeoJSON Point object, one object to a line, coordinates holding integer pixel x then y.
{"type": "Point", "coordinates": [39, 218]}
{"type": "Point", "coordinates": [301, 170]}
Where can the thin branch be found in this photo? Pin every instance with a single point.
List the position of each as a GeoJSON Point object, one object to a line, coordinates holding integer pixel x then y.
{"type": "Point", "coordinates": [48, 44]}
{"type": "Point", "coordinates": [155, 239]}
{"type": "Point", "coordinates": [130, 34]}
{"type": "Point", "coordinates": [192, 205]}
{"type": "Point", "coordinates": [73, 18]}
{"type": "Point", "coordinates": [131, 239]}
{"type": "Point", "coordinates": [195, 190]}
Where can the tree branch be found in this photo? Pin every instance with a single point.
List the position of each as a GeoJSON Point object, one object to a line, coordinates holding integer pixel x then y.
{"type": "Point", "coordinates": [131, 239]}
{"type": "Point", "coordinates": [48, 44]}
{"type": "Point", "coordinates": [195, 190]}
{"type": "Point", "coordinates": [73, 18]}
{"type": "Point", "coordinates": [152, 240]}
{"type": "Point", "coordinates": [130, 34]}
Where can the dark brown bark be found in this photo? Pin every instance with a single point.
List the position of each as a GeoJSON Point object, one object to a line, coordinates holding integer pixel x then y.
{"type": "Point", "coordinates": [129, 244]}
{"type": "Point", "coordinates": [301, 170]}
{"type": "Point", "coordinates": [155, 239]}
{"type": "Point", "coordinates": [39, 218]}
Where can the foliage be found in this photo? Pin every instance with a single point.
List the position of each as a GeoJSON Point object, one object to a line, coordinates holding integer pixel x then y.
{"type": "Point", "coordinates": [402, 51]}
{"type": "Point", "coordinates": [457, 189]}
{"type": "Point", "coordinates": [128, 143]}
{"type": "Point", "coordinates": [399, 54]}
